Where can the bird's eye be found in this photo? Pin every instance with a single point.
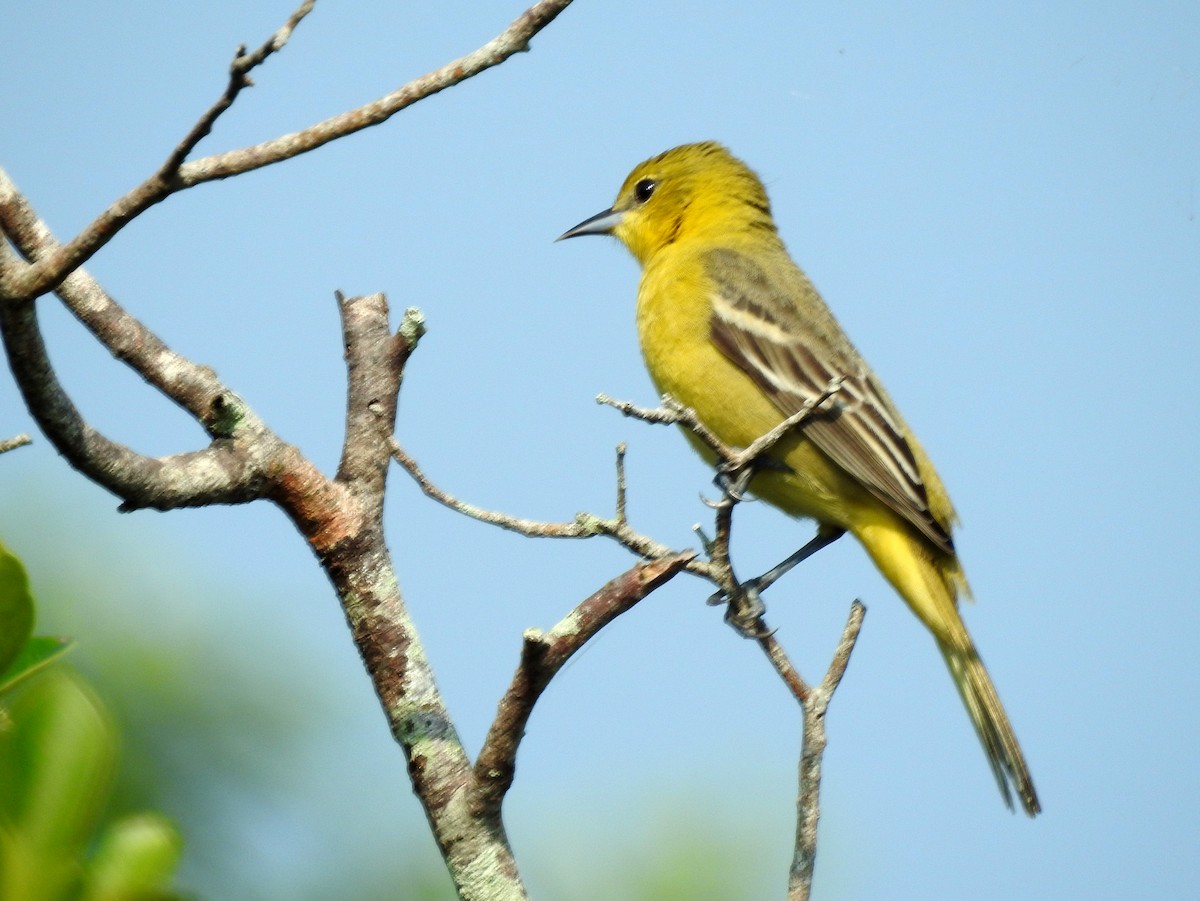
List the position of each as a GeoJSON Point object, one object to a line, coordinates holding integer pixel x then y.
{"type": "Point", "coordinates": [643, 189]}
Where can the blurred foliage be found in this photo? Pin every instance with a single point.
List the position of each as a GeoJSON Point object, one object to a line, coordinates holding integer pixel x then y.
{"type": "Point", "coordinates": [16, 608]}
{"type": "Point", "coordinates": [58, 758]}
{"type": "Point", "coordinates": [21, 653]}
{"type": "Point", "coordinates": [671, 850]}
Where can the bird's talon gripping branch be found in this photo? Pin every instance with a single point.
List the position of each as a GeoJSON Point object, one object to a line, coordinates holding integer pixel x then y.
{"type": "Point", "coordinates": [745, 610]}
{"type": "Point", "coordinates": [734, 481]}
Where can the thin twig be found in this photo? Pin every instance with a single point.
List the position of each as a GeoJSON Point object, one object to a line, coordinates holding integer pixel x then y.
{"type": "Point", "coordinates": [542, 656]}
{"type": "Point", "coordinates": [672, 412]}
{"type": "Point", "coordinates": [585, 525]}
{"type": "Point", "coordinates": [621, 484]}
{"type": "Point", "coordinates": [744, 607]}
{"type": "Point", "coordinates": [764, 443]}
{"type": "Point", "coordinates": [239, 78]}
{"type": "Point", "coordinates": [787, 671]}
{"type": "Point", "coordinates": [812, 750]}
{"type": "Point", "coordinates": [14, 442]}
{"type": "Point", "coordinates": [529, 527]}
{"type": "Point", "coordinates": [745, 610]}
{"type": "Point", "coordinates": [47, 273]}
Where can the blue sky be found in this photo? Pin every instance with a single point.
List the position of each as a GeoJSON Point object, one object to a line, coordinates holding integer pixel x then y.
{"type": "Point", "coordinates": [1000, 204]}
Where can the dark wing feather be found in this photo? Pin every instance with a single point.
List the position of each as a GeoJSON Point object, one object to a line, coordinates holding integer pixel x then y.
{"type": "Point", "coordinates": [792, 359]}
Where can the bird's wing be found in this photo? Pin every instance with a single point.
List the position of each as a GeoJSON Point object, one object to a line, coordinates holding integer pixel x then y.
{"type": "Point", "coordinates": [761, 330]}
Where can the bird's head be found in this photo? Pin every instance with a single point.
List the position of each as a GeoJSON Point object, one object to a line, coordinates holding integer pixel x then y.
{"type": "Point", "coordinates": [690, 191]}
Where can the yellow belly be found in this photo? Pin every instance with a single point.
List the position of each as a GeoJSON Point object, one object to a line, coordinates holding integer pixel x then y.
{"type": "Point", "coordinates": [674, 329]}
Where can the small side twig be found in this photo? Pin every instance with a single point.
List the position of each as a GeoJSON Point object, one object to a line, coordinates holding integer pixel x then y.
{"type": "Point", "coordinates": [621, 483]}
{"type": "Point", "coordinates": [585, 525]}
{"type": "Point", "coordinates": [529, 527]}
{"type": "Point", "coordinates": [14, 442]}
{"type": "Point", "coordinates": [672, 412]}
{"type": "Point", "coordinates": [542, 656]}
{"type": "Point", "coordinates": [239, 78]}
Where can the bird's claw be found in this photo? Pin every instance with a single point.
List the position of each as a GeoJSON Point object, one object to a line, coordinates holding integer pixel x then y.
{"type": "Point", "coordinates": [744, 610]}
{"type": "Point", "coordinates": [734, 483]}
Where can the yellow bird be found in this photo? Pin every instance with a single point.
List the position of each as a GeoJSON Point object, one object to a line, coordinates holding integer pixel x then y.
{"type": "Point", "coordinates": [732, 328]}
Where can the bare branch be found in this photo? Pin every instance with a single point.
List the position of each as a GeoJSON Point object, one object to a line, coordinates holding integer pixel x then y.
{"type": "Point", "coordinates": [528, 527]}
{"type": "Point", "coordinates": [672, 412]}
{"type": "Point", "coordinates": [585, 525]}
{"type": "Point", "coordinates": [764, 443]}
{"type": "Point", "coordinates": [542, 656]}
{"type": "Point", "coordinates": [48, 272]}
{"type": "Point", "coordinates": [745, 609]}
{"type": "Point", "coordinates": [222, 473]}
{"type": "Point", "coordinates": [787, 672]}
{"type": "Point", "coordinates": [375, 361]}
{"type": "Point", "coordinates": [14, 442]}
{"type": "Point", "coordinates": [225, 472]}
{"type": "Point", "coordinates": [808, 809]}
{"type": "Point", "coordinates": [621, 484]}
{"type": "Point", "coordinates": [514, 39]}
{"type": "Point", "coordinates": [239, 78]}
{"type": "Point", "coordinates": [340, 519]}
{"type": "Point", "coordinates": [191, 386]}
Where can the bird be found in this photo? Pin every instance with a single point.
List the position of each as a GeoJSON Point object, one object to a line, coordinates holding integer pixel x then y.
{"type": "Point", "coordinates": [732, 328]}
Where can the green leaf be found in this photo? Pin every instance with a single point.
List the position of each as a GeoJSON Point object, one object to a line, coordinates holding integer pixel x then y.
{"type": "Point", "coordinates": [58, 759]}
{"type": "Point", "coordinates": [136, 858]}
{"type": "Point", "coordinates": [38, 653]}
{"type": "Point", "coordinates": [16, 608]}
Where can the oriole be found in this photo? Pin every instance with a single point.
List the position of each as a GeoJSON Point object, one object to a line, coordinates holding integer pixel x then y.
{"type": "Point", "coordinates": [731, 327]}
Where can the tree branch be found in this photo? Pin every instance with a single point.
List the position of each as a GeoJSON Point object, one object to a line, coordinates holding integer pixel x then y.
{"type": "Point", "coordinates": [239, 78]}
{"type": "Point", "coordinates": [672, 412]}
{"type": "Point", "coordinates": [527, 527]}
{"type": "Point", "coordinates": [812, 750]}
{"type": "Point", "coordinates": [192, 387]}
{"type": "Point", "coordinates": [29, 281]}
{"type": "Point", "coordinates": [341, 518]}
{"type": "Point", "coordinates": [9, 444]}
{"type": "Point", "coordinates": [375, 361]}
{"type": "Point", "coordinates": [744, 608]}
{"type": "Point", "coordinates": [542, 656]}
{"type": "Point", "coordinates": [224, 472]}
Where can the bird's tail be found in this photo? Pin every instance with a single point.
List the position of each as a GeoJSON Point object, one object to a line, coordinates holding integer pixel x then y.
{"type": "Point", "coordinates": [929, 580]}
{"type": "Point", "coordinates": [991, 725]}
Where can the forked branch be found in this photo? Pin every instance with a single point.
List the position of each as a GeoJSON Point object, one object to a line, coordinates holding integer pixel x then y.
{"type": "Point", "coordinates": [176, 174]}
{"type": "Point", "coordinates": [542, 654]}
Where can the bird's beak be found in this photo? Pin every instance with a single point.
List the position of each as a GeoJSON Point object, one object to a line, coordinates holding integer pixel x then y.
{"type": "Point", "coordinates": [600, 224]}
